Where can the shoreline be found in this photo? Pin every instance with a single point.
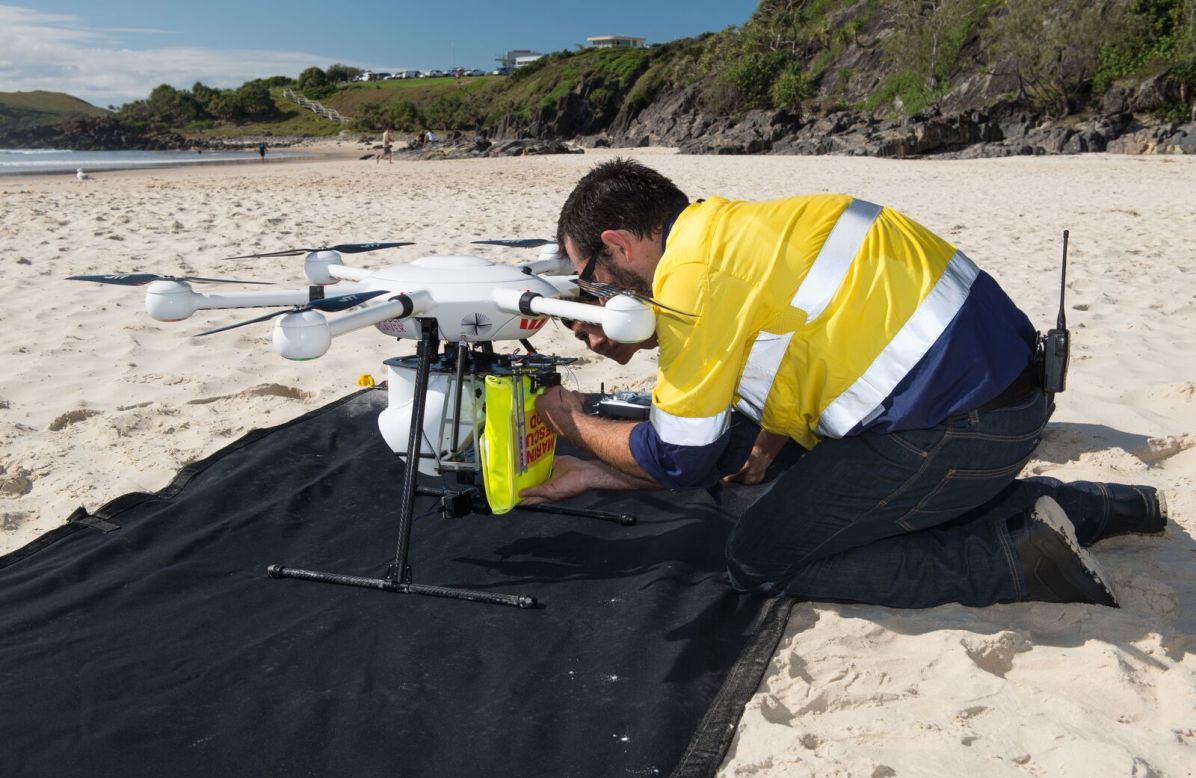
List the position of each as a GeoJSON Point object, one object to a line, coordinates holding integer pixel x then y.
{"type": "Point", "coordinates": [288, 154]}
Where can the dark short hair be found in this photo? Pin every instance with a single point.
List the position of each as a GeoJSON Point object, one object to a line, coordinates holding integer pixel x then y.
{"type": "Point", "coordinates": [618, 195]}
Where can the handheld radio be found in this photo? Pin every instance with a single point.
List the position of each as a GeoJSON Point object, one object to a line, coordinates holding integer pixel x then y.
{"type": "Point", "coordinates": [1054, 348]}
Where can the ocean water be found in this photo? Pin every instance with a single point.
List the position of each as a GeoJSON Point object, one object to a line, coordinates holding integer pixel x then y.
{"type": "Point", "coordinates": [13, 161]}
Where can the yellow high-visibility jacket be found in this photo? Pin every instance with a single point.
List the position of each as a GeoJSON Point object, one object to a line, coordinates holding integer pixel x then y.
{"type": "Point", "coordinates": [818, 316]}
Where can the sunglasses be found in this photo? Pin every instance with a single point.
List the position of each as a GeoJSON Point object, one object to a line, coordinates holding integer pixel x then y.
{"type": "Point", "coordinates": [585, 277]}
{"type": "Point", "coordinates": [595, 291]}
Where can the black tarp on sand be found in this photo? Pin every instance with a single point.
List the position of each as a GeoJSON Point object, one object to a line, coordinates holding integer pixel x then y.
{"type": "Point", "coordinates": [163, 648]}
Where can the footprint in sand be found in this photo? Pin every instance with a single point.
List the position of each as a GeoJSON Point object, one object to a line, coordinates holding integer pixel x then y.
{"type": "Point", "coordinates": [262, 390]}
{"type": "Point", "coordinates": [72, 417]}
{"type": "Point", "coordinates": [11, 522]}
{"type": "Point", "coordinates": [277, 390]}
{"type": "Point", "coordinates": [775, 712]}
{"type": "Point", "coordinates": [16, 483]}
{"type": "Point", "coordinates": [994, 653]}
{"type": "Point", "coordinates": [1157, 450]}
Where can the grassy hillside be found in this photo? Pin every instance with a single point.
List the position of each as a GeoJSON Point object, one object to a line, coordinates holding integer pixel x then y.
{"type": "Point", "coordinates": [603, 80]}
{"type": "Point", "coordinates": [21, 110]}
{"type": "Point", "coordinates": [289, 121]}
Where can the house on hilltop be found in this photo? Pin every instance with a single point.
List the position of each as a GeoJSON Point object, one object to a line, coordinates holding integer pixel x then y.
{"type": "Point", "coordinates": [616, 42]}
{"type": "Point", "coordinates": [516, 58]}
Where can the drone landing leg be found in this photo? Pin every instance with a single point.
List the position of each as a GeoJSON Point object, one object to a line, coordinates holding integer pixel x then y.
{"type": "Point", "coordinates": [626, 519]}
{"type": "Point", "coordinates": [398, 573]}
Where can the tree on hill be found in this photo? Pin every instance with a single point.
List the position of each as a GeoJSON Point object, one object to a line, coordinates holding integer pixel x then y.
{"type": "Point", "coordinates": [165, 106]}
{"type": "Point", "coordinates": [339, 74]}
{"type": "Point", "coordinates": [253, 100]}
{"type": "Point", "coordinates": [311, 78]}
{"type": "Point", "coordinates": [175, 108]}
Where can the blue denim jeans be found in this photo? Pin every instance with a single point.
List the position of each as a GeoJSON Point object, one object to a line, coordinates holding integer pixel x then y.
{"type": "Point", "coordinates": [905, 519]}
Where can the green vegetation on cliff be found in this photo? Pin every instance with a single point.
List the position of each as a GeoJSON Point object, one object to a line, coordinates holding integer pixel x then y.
{"type": "Point", "coordinates": [22, 110]}
{"type": "Point", "coordinates": [896, 58]}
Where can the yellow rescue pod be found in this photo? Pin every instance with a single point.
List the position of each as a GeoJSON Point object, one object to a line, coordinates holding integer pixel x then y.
{"type": "Point", "coordinates": [517, 447]}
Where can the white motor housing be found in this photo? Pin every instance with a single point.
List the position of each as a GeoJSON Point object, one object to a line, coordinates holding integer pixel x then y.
{"type": "Point", "coordinates": [627, 320]}
{"type": "Point", "coordinates": [170, 300]}
{"type": "Point", "coordinates": [302, 336]}
{"type": "Point", "coordinates": [315, 267]}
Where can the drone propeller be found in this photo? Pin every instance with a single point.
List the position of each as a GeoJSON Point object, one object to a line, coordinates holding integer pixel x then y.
{"type": "Point", "coordinates": [606, 291]}
{"type": "Point", "coordinates": [141, 279]}
{"type": "Point", "coordinates": [517, 243]}
{"type": "Point", "coordinates": [328, 304]}
{"type": "Point", "coordinates": [343, 248]}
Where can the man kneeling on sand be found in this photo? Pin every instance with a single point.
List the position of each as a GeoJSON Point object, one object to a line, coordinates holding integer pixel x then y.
{"type": "Point", "coordinates": [905, 371]}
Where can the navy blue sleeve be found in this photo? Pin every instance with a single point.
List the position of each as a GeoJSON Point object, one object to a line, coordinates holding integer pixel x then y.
{"type": "Point", "coordinates": [688, 467]}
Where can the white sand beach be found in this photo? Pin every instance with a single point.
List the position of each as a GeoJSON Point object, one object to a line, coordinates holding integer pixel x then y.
{"type": "Point", "coordinates": [97, 399]}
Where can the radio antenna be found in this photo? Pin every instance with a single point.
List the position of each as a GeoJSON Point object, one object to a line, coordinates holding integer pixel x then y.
{"type": "Point", "coordinates": [1063, 285]}
{"type": "Point", "coordinates": [1055, 346]}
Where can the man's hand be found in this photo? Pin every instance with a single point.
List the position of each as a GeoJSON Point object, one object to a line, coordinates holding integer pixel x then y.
{"type": "Point", "coordinates": [764, 450]}
{"type": "Point", "coordinates": [559, 407]}
{"type": "Point", "coordinates": [607, 439]}
{"type": "Point", "coordinates": [570, 477]}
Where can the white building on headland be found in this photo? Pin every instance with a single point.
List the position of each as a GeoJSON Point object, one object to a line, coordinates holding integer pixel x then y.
{"type": "Point", "coordinates": [517, 58]}
{"type": "Point", "coordinates": [615, 42]}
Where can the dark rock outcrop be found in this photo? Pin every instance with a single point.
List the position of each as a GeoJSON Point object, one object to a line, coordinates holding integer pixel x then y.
{"type": "Point", "coordinates": [471, 148]}
{"type": "Point", "coordinates": [1001, 132]}
{"type": "Point", "coordinates": [105, 133]}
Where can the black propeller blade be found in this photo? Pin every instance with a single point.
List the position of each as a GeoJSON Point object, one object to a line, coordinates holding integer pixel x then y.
{"type": "Point", "coordinates": [606, 291]}
{"type": "Point", "coordinates": [328, 304]}
{"type": "Point", "coordinates": [343, 248]}
{"type": "Point", "coordinates": [141, 279]}
{"type": "Point", "coordinates": [517, 243]}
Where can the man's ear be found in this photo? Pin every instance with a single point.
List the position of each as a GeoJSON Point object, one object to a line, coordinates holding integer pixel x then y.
{"type": "Point", "coordinates": [620, 239]}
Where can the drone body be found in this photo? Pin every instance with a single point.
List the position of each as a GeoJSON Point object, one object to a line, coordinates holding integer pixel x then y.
{"type": "Point", "coordinates": [472, 299]}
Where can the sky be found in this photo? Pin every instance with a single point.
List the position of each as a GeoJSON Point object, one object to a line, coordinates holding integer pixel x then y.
{"type": "Point", "coordinates": [111, 51]}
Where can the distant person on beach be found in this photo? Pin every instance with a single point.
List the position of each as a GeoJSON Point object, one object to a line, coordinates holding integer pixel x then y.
{"type": "Point", "coordinates": [906, 373]}
{"type": "Point", "coordinates": [261, 151]}
{"type": "Point", "coordinates": [387, 144]}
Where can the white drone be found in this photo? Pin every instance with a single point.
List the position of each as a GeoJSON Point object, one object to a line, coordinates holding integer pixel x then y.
{"type": "Point", "coordinates": [472, 300]}
{"type": "Point", "coordinates": [463, 301]}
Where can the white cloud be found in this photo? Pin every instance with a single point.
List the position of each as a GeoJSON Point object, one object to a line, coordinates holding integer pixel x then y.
{"type": "Point", "coordinates": [60, 53]}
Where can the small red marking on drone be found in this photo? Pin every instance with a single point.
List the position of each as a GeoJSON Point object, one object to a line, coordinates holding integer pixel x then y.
{"type": "Point", "coordinates": [531, 324]}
